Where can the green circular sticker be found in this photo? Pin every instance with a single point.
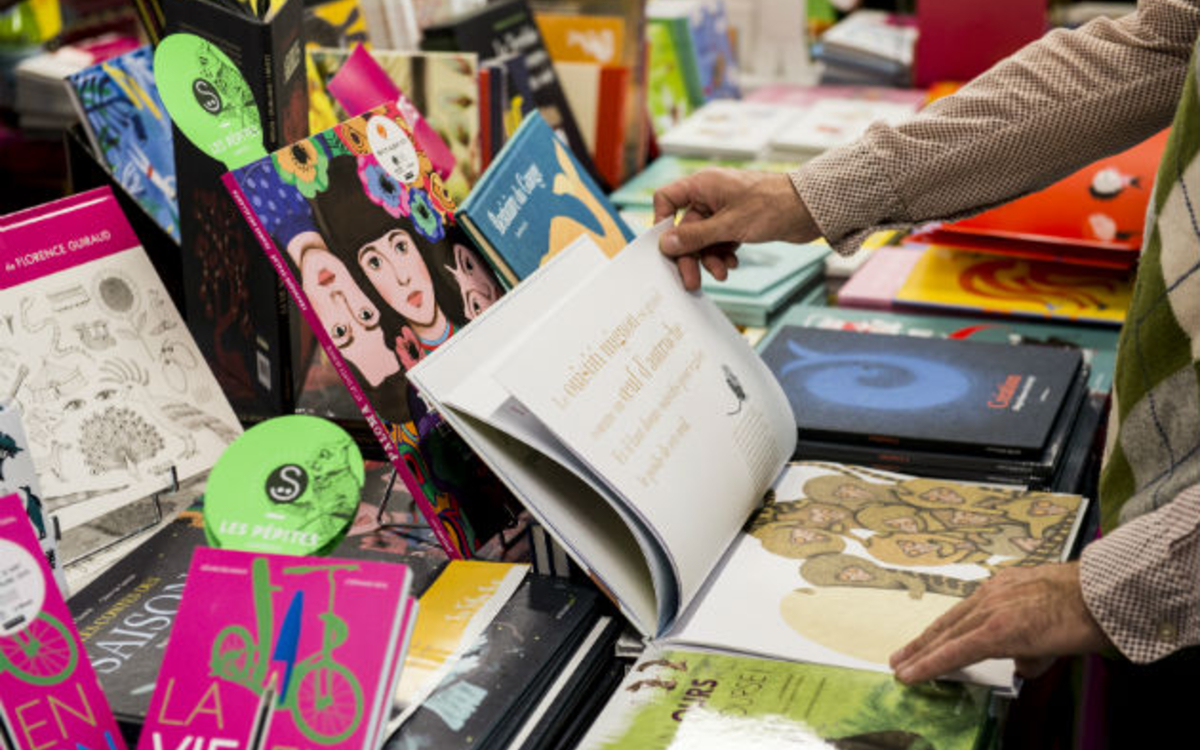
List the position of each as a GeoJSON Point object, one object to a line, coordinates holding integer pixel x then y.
{"type": "Point", "coordinates": [208, 99]}
{"type": "Point", "coordinates": [290, 485]}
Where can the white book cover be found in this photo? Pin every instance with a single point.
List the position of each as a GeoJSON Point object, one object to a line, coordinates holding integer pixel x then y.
{"type": "Point", "coordinates": [729, 127]}
{"type": "Point", "coordinates": [835, 122]}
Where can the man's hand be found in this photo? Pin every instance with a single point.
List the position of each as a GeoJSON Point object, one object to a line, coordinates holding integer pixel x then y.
{"type": "Point", "coordinates": [724, 208]}
{"type": "Point", "coordinates": [1029, 614]}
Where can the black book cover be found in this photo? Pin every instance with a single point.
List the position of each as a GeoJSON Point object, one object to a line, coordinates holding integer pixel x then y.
{"type": "Point", "coordinates": [498, 29]}
{"type": "Point", "coordinates": [493, 687]}
{"type": "Point", "coordinates": [932, 394]}
{"type": "Point", "coordinates": [236, 307]}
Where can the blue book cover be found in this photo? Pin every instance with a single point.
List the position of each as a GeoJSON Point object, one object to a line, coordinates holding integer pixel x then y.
{"type": "Point", "coordinates": [714, 51]}
{"type": "Point", "coordinates": [534, 200]}
{"type": "Point", "coordinates": [130, 130]}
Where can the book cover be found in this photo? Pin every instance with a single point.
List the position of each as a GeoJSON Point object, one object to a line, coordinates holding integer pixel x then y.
{"type": "Point", "coordinates": [799, 95]}
{"type": "Point", "coordinates": [582, 38]}
{"type": "Point", "coordinates": [1097, 345]}
{"type": "Point", "coordinates": [501, 674]}
{"type": "Point", "coordinates": [598, 385]}
{"type": "Point", "coordinates": [760, 309]}
{"type": "Point", "coordinates": [874, 284]}
{"type": "Point", "coordinates": [441, 86]}
{"type": "Point", "coordinates": [272, 650]}
{"type": "Point", "coordinates": [690, 699]}
{"type": "Point", "coordinates": [951, 279]}
{"type": "Point", "coordinates": [833, 122]}
{"type": "Point", "coordinates": [899, 390]}
{"type": "Point", "coordinates": [49, 696]}
{"type": "Point", "coordinates": [718, 62]}
{"type": "Point", "coordinates": [361, 230]}
{"type": "Point", "coordinates": [18, 476]}
{"type": "Point", "coordinates": [639, 191]}
{"type": "Point", "coordinates": [763, 266]}
{"type": "Point", "coordinates": [508, 28]}
{"type": "Point", "coordinates": [112, 389]}
{"type": "Point", "coordinates": [672, 83]}
{"type": "Point", "coordinates": [729, 128]}
{"type": "Point", "coordinates": [1100, 209]}
{"type": "Point", "coordinates": [129, 129]}
{"type": "Point", "coordinates": [535, 200]}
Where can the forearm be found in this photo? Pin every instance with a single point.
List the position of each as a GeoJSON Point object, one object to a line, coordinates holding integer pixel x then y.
{"type": "Point", "coordinates": [1053, 107]}
{"type": "Point", "coordinates": [1142, 582]}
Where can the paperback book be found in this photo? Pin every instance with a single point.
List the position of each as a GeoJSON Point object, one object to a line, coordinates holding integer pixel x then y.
{"type": "Point", "coordinates": [595, 389]}
{"type": "Point", "coordinates": [117, 401]}
{"type": "Point", "coordinates": [360, 228]}
{"type": "Point", "coordinates": [729, 129]}
{"type": "Point", "coordinates": [535, 200]}
{"type": "Point", "coordinates": [49, 696]}
{"type": "Point", "coordinates": [272, 650]}
{"type": "Point", "coordinates": [18, 476]}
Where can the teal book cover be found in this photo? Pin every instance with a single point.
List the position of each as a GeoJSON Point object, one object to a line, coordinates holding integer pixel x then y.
{"type": "Point", "coordinates": [534, 200]}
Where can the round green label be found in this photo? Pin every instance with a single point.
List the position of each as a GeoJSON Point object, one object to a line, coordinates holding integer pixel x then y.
{"type": "Point", "coordinates": [290, 485]}
{"type": "Point", "coordinates": [208, 99]}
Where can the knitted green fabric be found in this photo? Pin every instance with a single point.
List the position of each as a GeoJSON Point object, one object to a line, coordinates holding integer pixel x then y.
{"type": "Point", "coordinates": [1153, 448]}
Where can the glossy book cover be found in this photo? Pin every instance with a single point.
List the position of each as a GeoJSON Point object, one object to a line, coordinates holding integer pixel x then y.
{"type": "Point", "coordinates": [273, 651]}
{"type": "Point", "coordinates": [49, 696]}
{"type": "Point", "coordinates": [361, 229]}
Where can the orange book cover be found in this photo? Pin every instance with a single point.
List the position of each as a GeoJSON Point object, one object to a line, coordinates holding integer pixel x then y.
{"type": "Point", "coordinates": [611, 120]}
{"type": "Point", "coordinates": [1102, 206]}
{"type": "Point", "coordinates": [572, 37]}
{"type": "Point", "coordinates": [996, 284]}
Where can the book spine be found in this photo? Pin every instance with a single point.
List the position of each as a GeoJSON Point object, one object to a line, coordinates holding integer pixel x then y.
{"type": "Point", "coordinates": [377, 425]}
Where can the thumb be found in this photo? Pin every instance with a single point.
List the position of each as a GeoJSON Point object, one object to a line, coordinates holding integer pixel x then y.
{"type": "Point", "coordinates": [691, 237]}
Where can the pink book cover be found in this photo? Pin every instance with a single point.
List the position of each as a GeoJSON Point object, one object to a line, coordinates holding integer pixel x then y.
{"type": "Point", "coordinates": [49, 696]}
{"type": "Point", "coordinates": [805, 96]}
{"type": "Point", "coordinates": [875, 284]}
{"type": "Point", "coordinates": [274, 652]}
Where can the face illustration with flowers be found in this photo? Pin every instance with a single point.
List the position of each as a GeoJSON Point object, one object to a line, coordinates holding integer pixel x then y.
{"type": "Point", "coordinates": [478, 288]}
{"type": "Point", "coordinates": [395, 268]}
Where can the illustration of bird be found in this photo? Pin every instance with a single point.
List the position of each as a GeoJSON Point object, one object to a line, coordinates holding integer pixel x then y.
{"type": "Point", "coordinates": [8, 449]}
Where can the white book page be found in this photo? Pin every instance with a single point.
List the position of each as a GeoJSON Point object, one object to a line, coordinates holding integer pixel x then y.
{"type": "Point", "coordinates": [660, 396]}
{"type": "Point", "coordinates": [863, 599]}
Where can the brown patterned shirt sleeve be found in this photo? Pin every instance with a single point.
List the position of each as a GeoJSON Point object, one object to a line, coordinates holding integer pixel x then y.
{"type": "Point", "coordinates": [1142, 581]}
{"type": "Point", "coordinates": [1051, 108]}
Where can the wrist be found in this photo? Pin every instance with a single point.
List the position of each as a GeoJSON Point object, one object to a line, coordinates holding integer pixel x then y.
{"type": "Point", "coordinates": [789, 215]}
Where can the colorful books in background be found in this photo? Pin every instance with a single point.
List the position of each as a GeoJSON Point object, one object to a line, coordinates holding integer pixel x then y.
{"type": "Point", "coordinates": [598, 96]}
{"type": "Point", "coordinates": [49, 695]}
{"type": "Point", "coordinates": [116, 399]}
{"type": "Point", "coordinates": [769, 276]}
{"type": "Point", "coordinates": [130, 132]}
{"type": "Point", "coordinates": [868, 47]}
{"type": "Point", "coordinates": [799, 95]}
{"type": "Point", "coordinates": [829, 122]}
{"type": "Point", "coordinates": [510, 100]}
{"type": "Point", "coordinates": [729, 128]}
{"type": "Point", "coordinates": [950, 279]}
{"type": "Point", "coordinates": [673, 83]}
{"type": "Point", "coordinates": [599, 385]}
{"type": "Point", "coordinates": [1093, 217]}
{"type": "Point", "coordinates": [688, 700]}
{"type": "Point", "coordinates": [17, 476]}
{"type": "Point", "coordinates": [282, 651]}
{"type": "Point", "coordinates": [638, 192]}
{"type": "Point", "coordinates": [507, 28]}
{"type": "Point", "coordinates": [361, 230]}
{"type": "Point", "coordinates": [873, 284]}
{"type": "Point", "coordinates": [535, 200]}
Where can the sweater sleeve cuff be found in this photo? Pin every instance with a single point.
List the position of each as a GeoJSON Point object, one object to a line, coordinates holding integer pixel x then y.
{"type": "Point", "coordinates": [1142, 582]}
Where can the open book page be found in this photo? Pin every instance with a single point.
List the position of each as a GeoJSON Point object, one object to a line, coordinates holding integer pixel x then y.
{"type": "Point", "coordinates": [598, 532]}
{"type": "Point", "coordinates": [658, 394]}
{"type": "Point", "coordinates": [845, 565]}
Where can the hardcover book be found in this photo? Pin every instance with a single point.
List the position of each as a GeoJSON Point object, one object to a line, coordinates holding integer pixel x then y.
{"type": "Point", "coordinates": [272, 650]}
{"type": "Point", "coordinates": [129, 130]}
{"type": "Point", "coordinates": [112, 389]}
{"type": "Point", "coordinates": [690, 699]}
{"type": "Point", "coordinates": [729, 128]}
{"type": "Point", "coordinates": [17, 476]}
{"type": "Point", "coordinates": [595, 389]}
{"type": "Point", "coordinates": [899, 390]}
{"type": "Point", "coordinates": [49, 696]}
{"type": "Point", "coordinates": [361, 230]}
{"type": "Point", "coordinates": [535, 200]}
{"type": "Point", "coordinates": [833, 122]}
{"type": "Point", "coordinates": [638, 192]}
{"type": "Point", "coordinates": [505, 28]}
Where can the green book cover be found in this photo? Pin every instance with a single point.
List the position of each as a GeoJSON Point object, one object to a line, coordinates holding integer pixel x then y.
{"type": "Point", "coordinates": [682, 699]}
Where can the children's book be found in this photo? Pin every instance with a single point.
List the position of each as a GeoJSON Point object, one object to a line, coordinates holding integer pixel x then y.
{"type": "Point", "coordinates": [535, 200]}
{"type": "Point", "coordinates": [505, 28]}
{"type": "Point", "coordinates": [114, 394]}
{"type": "Point", "coordinates": [49, 696]}
{"type": "Point", "coordinates": [673, 82]}
{"type": "Point", "coordinates": [18, 476]}
{"type": "Point", "coordinates": [764, 266]}
{"type": "Point", "coordinates": [832, 122]}
{"type": "Point", "coordinates": [874, 284]}
{"type": "Point", "coordinates": [759, 309]}
{"type": "Point", "coordinates": [687, 700]}
{"type": "Point", "coordinates": [279, 651]}
{"type": "Point", "coordinates": [644, 433]}
{"type": "Point", "coordinates": [130, 131]}
{"type": "Point", "coordinates": [361, 229]}
{"type": "Point", "coordinates": [900, 390]}
{"type": "Point", "coordinates": [728, 128]}
{"type": "Point", "coordinates": [638, 192]}
{"type": "Point", "coordinates": [580, 37]}
{"type": "Point", "coordinates": [950, 279]}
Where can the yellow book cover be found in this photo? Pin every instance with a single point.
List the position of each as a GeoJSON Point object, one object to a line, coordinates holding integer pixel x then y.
{"type": "Point", "coordinates": [949, 278]}
{"type": "Point", "coordinates": [571, 37]}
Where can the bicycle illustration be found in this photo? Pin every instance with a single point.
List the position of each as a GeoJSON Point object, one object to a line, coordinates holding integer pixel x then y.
{"type": "Point", "coordinates": [43, 653]}
{"type": "Point", "coordinates": [324, 696]}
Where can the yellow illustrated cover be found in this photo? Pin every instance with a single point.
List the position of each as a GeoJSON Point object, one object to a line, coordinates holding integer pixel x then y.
{"type": "Point", "coordinates": [949, 278]}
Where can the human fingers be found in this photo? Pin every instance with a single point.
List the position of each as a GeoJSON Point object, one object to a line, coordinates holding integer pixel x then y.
{"type": "Point", "coordinates": [973, 644]}
{"type": "Point", "coordinates": [715, 263]}
{"type": "Point", "coordinates": [699, 234]}
{"type": "Point", "coordinates": [675, 196]}
{"type": "Point", "coordinates": [949, 620]}
{"type": "Point", "coordinates": [689, 270]}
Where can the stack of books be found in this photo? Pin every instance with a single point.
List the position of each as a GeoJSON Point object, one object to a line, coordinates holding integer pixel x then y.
{"type": "Point", "coordinates": [868, 47]}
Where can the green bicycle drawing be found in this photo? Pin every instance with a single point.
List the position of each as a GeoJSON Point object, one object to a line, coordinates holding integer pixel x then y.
{"type": "Point", "coordinates": [324, 696]}
{"type": "Point", "coordinates": [42, 654]}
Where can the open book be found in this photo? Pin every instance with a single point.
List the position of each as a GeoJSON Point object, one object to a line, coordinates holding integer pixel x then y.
{"type": "Point", "coordinates": [637, 425]}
